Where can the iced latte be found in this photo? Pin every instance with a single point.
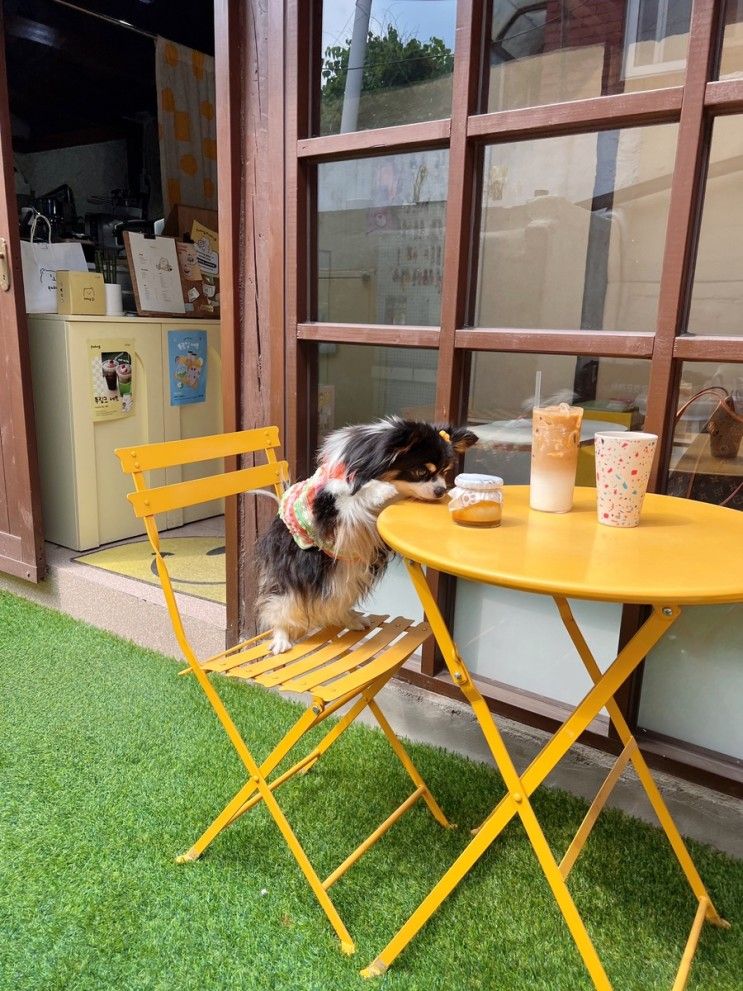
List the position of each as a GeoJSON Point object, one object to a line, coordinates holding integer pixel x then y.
{"type": "Point", "coordinates": [554, 457]}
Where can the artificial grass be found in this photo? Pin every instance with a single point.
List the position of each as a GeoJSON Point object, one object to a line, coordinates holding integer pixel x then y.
{"type": "Point", "coordinates": [111, 765]}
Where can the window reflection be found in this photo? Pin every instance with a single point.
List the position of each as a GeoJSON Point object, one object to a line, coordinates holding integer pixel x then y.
{"type": "Point", "coordinates": [731, 60]}
{"type": "Point", "coordinates": [563, 50]}
{"type": "Point", "coordinates": [573, 228]}
{"type": "Point", "coordinates": [385, 63]}
{"type": "Point", "coordinates": [707, 454]}
{"type": "Point", "coordinates": [717, 296]}
{"type": "Point", "coordinates": [360, 383]}
{"type": "Point", "coordinates": [380, 232]}
{"type": "Point", "coordinates": [613, 392]}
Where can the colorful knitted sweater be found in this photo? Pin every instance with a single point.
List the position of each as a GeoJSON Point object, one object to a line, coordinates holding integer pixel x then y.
{"type": "Point", "coordinates": [296, 508]}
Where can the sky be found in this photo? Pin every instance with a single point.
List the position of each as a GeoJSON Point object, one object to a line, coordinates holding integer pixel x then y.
{"type": "Point", "coordinates": [422, 19]}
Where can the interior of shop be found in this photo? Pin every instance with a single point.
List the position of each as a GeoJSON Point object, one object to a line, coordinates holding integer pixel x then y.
{"type": "Point", "coordinates": [114, 146]}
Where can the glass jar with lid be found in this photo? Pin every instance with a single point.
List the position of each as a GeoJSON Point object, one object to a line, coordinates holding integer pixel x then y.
{"type": "Point", "coordinates": [476, 500]}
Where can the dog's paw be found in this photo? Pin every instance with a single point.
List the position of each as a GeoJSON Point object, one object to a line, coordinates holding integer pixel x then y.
{"type": "Point", "coordinates": [280, 643]}
{"type": "Point", "coordinates": [355, 621]}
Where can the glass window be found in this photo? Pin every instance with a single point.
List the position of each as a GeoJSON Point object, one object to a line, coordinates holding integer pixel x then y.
{"type": "Point", "coordinates": [572, 230]}
{"type": "Point", "coordinates": [385, 63]}
{"type": "Point", "coordinates": [694, 694]}
{"type": "Point", "coordinates": [717, 295]}
{"type": "Point", "coordinates": [731, 61]}
{"type": "Point", "coordinates": [357, 384]}
{"type": "Point", "coordinates": [707, 454]}
{"type": "Point", "coordinates": [576, 49]}
{"type": "Point", "coordinates": [380, 238]}
{"type": "Point", "coordinates": [489, 622]}
{"type": "Point", "coordinates": [502, 393]}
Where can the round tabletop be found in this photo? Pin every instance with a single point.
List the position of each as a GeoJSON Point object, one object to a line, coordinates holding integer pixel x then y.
{"type": "Point", "coordinates": [683, 552]}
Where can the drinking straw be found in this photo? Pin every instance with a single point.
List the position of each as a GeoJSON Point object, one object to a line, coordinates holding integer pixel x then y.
{"type": "Point", "coordinates": [538, 389]}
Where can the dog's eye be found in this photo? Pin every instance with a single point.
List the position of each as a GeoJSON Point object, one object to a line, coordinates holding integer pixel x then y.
{"type": "Point", "coordinates": [421, 473]}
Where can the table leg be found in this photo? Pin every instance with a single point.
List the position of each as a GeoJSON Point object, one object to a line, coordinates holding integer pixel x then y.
{"type": "Point", "coordinates": [516, 802]}
{"type": "Point", "coordinates": [643, 771]}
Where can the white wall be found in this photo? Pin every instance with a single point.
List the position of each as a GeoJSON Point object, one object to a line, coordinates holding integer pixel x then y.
{"type": "Point", "coordinates": [91, 170]}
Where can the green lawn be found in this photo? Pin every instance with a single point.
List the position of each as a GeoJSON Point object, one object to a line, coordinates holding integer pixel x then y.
{"type": "Point", "coordinates": [111, 765]}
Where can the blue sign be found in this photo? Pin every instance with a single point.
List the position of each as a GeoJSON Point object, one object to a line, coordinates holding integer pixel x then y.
{"type": "Point", "coordinates": [187, 362]}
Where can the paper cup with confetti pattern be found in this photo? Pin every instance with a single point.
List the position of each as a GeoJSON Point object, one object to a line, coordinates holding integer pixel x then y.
{"type": "Point", "coordinates": [623, 461]}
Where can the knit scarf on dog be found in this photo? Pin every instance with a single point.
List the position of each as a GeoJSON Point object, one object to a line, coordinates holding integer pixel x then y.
{"type": "Point", "coordinates": [296, 508]}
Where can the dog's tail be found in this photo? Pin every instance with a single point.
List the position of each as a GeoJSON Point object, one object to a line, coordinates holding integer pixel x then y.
{"type": "Point", "coordinates": [263, 492]}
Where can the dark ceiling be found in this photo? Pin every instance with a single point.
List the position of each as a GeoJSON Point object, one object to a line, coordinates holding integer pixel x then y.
{"type": "Point", "coordinates": [73, 78]}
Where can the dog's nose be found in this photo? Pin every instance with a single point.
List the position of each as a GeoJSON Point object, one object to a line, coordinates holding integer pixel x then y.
{"type": "Point", "coordinates": [439, 490]}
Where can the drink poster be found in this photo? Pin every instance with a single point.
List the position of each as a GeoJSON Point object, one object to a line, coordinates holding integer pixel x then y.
{"type": "Point", "coordinates": [111, 379]}
{"type": "Point", "coordinates": [187, 364]}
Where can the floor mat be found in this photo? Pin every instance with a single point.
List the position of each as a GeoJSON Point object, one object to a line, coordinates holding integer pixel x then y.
{"type": "Point", "coordinates": [195, 564]}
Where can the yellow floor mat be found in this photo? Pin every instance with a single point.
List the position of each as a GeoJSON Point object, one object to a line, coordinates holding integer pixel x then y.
{"type": "Point", "coordinates": [196, 564]}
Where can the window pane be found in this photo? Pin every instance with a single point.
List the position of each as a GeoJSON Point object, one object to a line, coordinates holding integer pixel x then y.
{"type": "Point", "coordinates": [575, 49]}
{"type": "Point", "coordinates": [385, 63]}
{"type": "Point", "coordinates": [359, 384]}
{"type": "Point", "coordinates": [717, 296]}
{"type": "Point", "coordinates": [693, 694]}
{"type": "Point", "coordinates": [501, 397]}
{"type": "Point", "coordinates": [572, 230]}
{"type": "Point", "coordinates": [490, 622]}
{"type": "Point", "coordinates": [682, 690]}
{"type": "Point", "coordinates": [380, 234]}
{"type": "Point", "coordinates": [731, 62]}
{"type": "Point", "coordinates": [707, 457]}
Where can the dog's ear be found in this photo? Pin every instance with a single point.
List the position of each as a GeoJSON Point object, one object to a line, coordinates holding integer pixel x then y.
{"type": "Point", "coordinates": [461, 438]}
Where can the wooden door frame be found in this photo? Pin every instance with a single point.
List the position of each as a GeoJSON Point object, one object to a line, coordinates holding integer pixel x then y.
{"type": "Point", "coordinates": [22, 549]}
{"type": "Point", "coordinates": [249, 82]}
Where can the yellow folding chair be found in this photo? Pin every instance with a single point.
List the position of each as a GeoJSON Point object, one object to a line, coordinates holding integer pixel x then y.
{"type": "Point", "coordinates": [336, 666]}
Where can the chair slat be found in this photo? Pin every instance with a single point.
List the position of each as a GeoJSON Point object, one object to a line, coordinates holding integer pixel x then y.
{"type": "Point", "coordinates": [351, 661]}
{"type": "Point", "coordinates": [392, 657]}
{"type": "Point", "coordinates": [164, 498]}
{"type": "Point", "coordinates": [146, 457]}
{"type": "Point", "coordinates": [274, 661]}
{"type": "Point", "coordinates": [328, 653]}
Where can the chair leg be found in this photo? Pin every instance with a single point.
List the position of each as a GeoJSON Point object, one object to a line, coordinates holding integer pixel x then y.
{"type": "Point", "coordinates": [239, 804]}
{"type": "Point", "coordinates": [407, 763]}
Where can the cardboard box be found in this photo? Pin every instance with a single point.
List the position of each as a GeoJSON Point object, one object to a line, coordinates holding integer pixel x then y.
{"type": "Point", "coordinates": [181, 219]}
{"type": "Point", "coordinates": [81, 293]}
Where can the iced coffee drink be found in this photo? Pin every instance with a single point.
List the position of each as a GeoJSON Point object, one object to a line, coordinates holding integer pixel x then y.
{"type": "Point", "coordinates": [124, 376]}
{"type": "Point", "coordinates": [109, 373]}
{"type": "Point", "coordinates": [554, 457]}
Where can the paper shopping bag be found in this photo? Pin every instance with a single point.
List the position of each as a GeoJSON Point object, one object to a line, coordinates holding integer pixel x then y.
{"type": "Point", "coordinates": [40, 261]}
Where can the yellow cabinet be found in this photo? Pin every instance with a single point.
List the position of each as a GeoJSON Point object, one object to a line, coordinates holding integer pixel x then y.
{"type": "Point", "coordinates": [82, 487]}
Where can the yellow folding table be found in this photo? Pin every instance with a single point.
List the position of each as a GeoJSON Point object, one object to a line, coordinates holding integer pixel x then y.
{"type": "Point", "coordinates": [671, 560]}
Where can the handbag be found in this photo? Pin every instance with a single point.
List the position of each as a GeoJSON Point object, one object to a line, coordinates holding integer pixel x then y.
{"type": "Point", "coordinates": [40, 262]}
{"type": "Point", "coordinates": [725, 429]}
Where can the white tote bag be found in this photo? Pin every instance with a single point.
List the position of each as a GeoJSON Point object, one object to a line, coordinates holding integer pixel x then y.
{"type": "Point", "coordinates": [41, 260]}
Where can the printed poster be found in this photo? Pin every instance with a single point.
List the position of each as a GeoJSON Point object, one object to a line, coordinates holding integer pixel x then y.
{"type": "Point", "coordinates": [187, 364]}
{"type": "Point", "coordinates": [111, 378]}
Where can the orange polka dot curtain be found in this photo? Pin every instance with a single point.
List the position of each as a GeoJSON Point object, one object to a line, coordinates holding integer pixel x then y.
{"type": "Point", "coordinates": [187, 125]}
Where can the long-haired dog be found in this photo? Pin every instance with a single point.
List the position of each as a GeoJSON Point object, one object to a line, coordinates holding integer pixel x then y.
{"type": "Point", "coordinates": [322, 553]}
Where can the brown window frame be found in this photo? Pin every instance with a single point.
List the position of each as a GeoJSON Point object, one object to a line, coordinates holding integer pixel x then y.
{"type": "Point", "coordinates": [693, 107]}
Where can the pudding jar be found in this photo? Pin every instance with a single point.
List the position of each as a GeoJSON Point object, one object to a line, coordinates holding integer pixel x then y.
{"type": "Point", "coordinates": [476, 500]}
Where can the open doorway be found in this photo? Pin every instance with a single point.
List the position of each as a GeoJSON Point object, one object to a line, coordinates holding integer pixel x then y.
{"type": "Point", "coordinates": [113, 128]}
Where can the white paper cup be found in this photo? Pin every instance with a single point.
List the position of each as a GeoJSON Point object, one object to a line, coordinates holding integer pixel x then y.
{"type": "Point", "coordinates": [114, 307]}
{"type": "Point", "coordinates": [623, 462]}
